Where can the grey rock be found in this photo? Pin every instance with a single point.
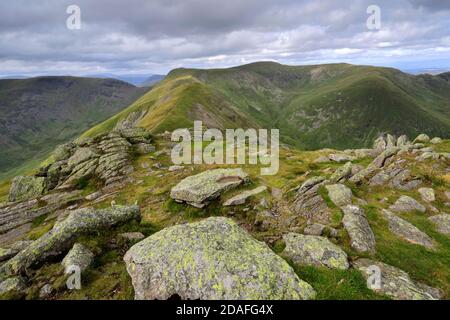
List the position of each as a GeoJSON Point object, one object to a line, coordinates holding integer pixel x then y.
{"type": "Point", "coordinates": [315, 229]}
{"type": "Point", "coordinates": [199, 189]}
{"type": "Point", "coordinates": [407, 230]}
{"type": "Point", "coordinates": [46, 291]}
{"type": "Point", "coordinates": [25, 188]}
{"type": "Point", "coordinates": [314, 250]}
{"type": "Point", "coordinates": [406, 204]}
{"type": "Point", "coordinates": [132, 236]}
{"type": "Point", "coordinates": [211, 259]}
{"type": "Point", "coordinates": [422, 138]}
{"type": "Point", "coordinates": [442, 223]}
{"type": "Point", "coordinates": [340, 157]}
{"type": "Point", "coordinates": [78, 256]}
{"type": "Point", "coordinates": [358, 228]}
{"type": "Point", "coordinates": [342, 173]}
{"type": "Point", "coordinates": [395, 283]}
{"type": "Point", "coordinates": [309, 204]}
{"type": "Point", "coordinates": [144, 148]}
{"type": "Point", "coordinates": [427, 194]}
{"type": "Point", "coordinates": [436, 140]}
{"type": "Point", "coordinates": [12, 285]}
{"type": "Point", "coordinates": [340, 194]}
{"type": "Point", "coordinates": [242, 197]}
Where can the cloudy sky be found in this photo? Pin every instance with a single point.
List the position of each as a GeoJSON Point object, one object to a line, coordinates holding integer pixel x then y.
{"type": "Point", "coordinates": [155, 36]}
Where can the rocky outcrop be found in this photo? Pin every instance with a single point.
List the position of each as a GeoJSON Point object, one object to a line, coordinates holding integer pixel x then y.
{"type": "Point", "coordinates": [309, 203]}
{"type": "Point", "coordinates": [78, 256]}
{"type": "Point", "coordinates": [211, 259]}
{"type": "Point", "coordinates": [407, 230]}
{"type": "Point", "coordinates": [314, 250]}
{"type": "Point", "coordinates": [361, 235]}
{"type": "Point", "coordinates": [342, 173]}
{"type": "Point", "coordinates": [64, 234]}
{"type": "Point", "coordinates": [407, 204]}
{"type": "Point", "coordinates": [442, 223]}
{"type": "Point", "coordinates": [395, 283]}
{"type": "Point", "coordinates": [340, 194]}
{"type": "Point", "coordinates": [200, 189]}
{"type": "Point", "coordinates": [26, 188]}
{"type": "Point", "coordinates": [242, 197]}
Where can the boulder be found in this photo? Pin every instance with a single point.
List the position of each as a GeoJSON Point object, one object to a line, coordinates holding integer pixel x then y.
{"type": "Point", "coordinates": [390, 141]}
{"type": "Point", "coordinates": [395, 283]}
{"type": "Point", "coordinates": [242, 197]}
{"type": "Point", "coordinates": [402, 141]}
{"type": "Point", "coordinates": [14, 285]}
{"type": "Point", "coordinates": [406, 204]}
{"type": "Point", "coordinates": [78, 256]}
{"type": "Point", "coordinates": [64, 234]}
{"type": "Point", "coordinates": [379, 144]}
{"type": "Point", "coordinates": [422, 138]}
{"type": "Point", "coordinates": [407, 230]}
{"type": "Point", "coordinates": [442, 223]}
{"type": "Point", "coordinates": [340, 194]}
{"type": "Point", "coordinates": [361, 235]}
{"type": "Point", "coordinates": [342, 173]}
{"type": "Point", "coordinates": [322, 159]}
{"type": "Point", "coordinates": [213, 259]}
{"type": "Point", "coordinates": [309, 203]}
{"type": "Point", "coordinates": [436, 140]}
{"type": "Point", "coordinates": [340, 157]}
{"type": "Point", "coordinates": [25, 188]}
{"type": "Point", "coordinates": [132, 236]}
{"type": "Point", "coordinates": [314, 251]}
{"type": "Point", "coordinates": [427, 194]}
{"type": "Point", "coordinates": [199, 189]}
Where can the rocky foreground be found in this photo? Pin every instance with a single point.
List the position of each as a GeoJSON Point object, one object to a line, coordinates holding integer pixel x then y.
{"type": "Point", "coordinates": [319, 229]}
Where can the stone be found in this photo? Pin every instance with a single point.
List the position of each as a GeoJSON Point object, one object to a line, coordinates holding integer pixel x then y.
{"type": "Point", "coordinates": [395, 283]}
{"type": "Point", "coordinates": [315, 229]}
{"type": "Point", "coordinates": [6, 254]}
{"type": "Point", "coordinates": [144, 148]}
{"type": "Point", "coordinates": [79, 256]}
{"type": "Point", "coordinates": [14, 285]}
{"type": "Point", "coordinates": [199, 189]}
{"type": "Point", "coordinates": [46, 291]}
{"type": "Point", "coordinates": [427, 194]}
{"type": "Point", "coordinates": [132, 236]}
{"type": "Point", "coordinates": [379, 144]}
{"type": "Point", "coordinates": [422, 138]}
{"type": "Point", "coordinates": [213, 259]}
{"type": "Point", "coordinates": [26, 187]}
{"type": "Point", "coordinates": [407, 230]}
{"type": "Point", "coordinates": [265, 220]}
{"type": "Point", "coordinates": [436, 140]}
{"type": "Point", "coordinates": [314, 251]}
{"type": "Point", "coordinates": [309, 204]}
{"type": "Point", "coordinates": [342, 173]}
{"type": "Point", "coordinates": [62, 152]}
{"type": "Point", "coordinates": [390, 141]}
{"type": "Point", "coordinates": [402, 141]}
{"type": "Point", "coordinates": [64, 234]}
{"type": "Point", "coordinates": [340, 194]}
{"type": "Point", "coordinates": [407, 204]}
{"type": "Point", "coordinates": [358, 228]}
{"type": "Point", "coordinates": [242, 197]}
{"type": "Point", "coordinates": [176, 168]}
{"type": "Point", "coordinates": [380, 160]}
{"type": "Point", "coordinates": [93, 196]}
{"type": "Point", "coordinates": [442, 223]}
{"type": "Point", "coordinates": [340, 157]}
{"type": "Point", "coordinates": [82, 155]}
{"type": "Point", "coordinates": [322, 159]}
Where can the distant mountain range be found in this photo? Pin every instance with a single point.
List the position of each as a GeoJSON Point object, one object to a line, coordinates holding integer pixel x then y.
{"type": "Point", "coordinates": [334, 105]}
{"type": "Point", "coordinates": [37, 114]}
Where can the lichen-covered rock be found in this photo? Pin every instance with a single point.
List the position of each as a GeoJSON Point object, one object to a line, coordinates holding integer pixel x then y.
{"type": "Point", "coordinates": [212, 259]}
{"type": "Point", "coordinates": [427, 194]}
{"type": "Point", "coordinates": [395, 283]}
{"type": "Point", "coordinates": [82, 155]}
{"type": "Point", "coordinates": [309, 203]}
{"type": "Point", "coordinates": [406, 204]}
{"type": "Point", "coordinates": [442, 223]}
{"type": "Point", "coordinates": [402, 141]}
{"type": "Point", "coordinates": [62, 152]}
{"type": "Point", "coordinates": [144, 148]}
{"type": "Point", "coordinates": [379, 144]}
{"type": "Point", "coordinates": [64, 234]}
{"type": "Point", "coordinates": [132, 236]}
{"type": "Point", "coordinates": [26, 187]}
{"type": "Point", "coordinates": [315, 229]}
{"type": "Point", "coordinates": [390, 141]}
{"type": "Point", "coordinates": [422, 138]}
{"type": "Point", "coordinates": [314, 250]}
{"type": "Point", "coordinates": [265, 220]}
{"type": "Point", "coordinates": [6, 254]}
{"type": "Point", "coordinates": [407, 230]}
{"type": "Point", "coordinates": [340, 194]}
{"type": "Point", "coordinates": [78, 256]}
{"type": "Point", "coordinates": [381, 159]}
{"type": "Point", "coordinates": [199, 189]}
{"type": "Point", "coordinates": [46, 291]}
{"type": "Point", "coordinates": [342, 173]}
{"type": "Point", "coordinates": [361, 235]}
{"type": "Point", "coordinates": [340, 157]}
{"type": "Point", "coordinates": [14, 285]}
{"type": "Point", "coordinates": [436, 140]}
{"type": "Point", "coordinates": [242, 197]}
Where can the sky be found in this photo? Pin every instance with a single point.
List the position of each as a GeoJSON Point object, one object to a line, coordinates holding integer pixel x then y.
{"type": "Point", "coordinates": [142, 37]}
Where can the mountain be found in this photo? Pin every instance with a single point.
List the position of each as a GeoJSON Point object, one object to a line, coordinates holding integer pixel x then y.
{"type": "Point", "coordinates": [37, 114]}
{"type": "Point", "coordinates": [152, 80]}
{"type": "Point", "coordinates": [334, 105]}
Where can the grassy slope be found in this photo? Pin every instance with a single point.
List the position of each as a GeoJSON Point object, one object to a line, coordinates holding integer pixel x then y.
{"type": "Point", "coordinates": [38, 114]}
{"type": "Point", "coordinates": [336, 105]}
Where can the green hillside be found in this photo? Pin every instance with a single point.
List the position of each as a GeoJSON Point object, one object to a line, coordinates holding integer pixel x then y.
{"type": "Point", "coordinates": [37, 114]}
{"type": "Point", "coordinates": [336, 105]}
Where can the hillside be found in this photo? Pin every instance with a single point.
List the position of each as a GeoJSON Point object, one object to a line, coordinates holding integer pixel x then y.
{"type": "Point", "coordinates": [37, 114]}
{"type": "Point", "coordinates": [336, 105]}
